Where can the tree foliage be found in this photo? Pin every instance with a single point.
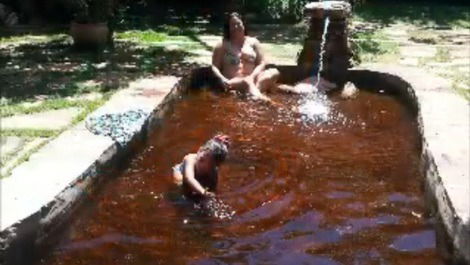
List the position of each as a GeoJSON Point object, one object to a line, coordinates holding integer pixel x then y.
{"type": "Point", "coordinates": [276, 9]}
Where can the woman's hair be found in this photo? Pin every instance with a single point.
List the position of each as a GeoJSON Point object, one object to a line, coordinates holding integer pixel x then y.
{"type": "Point", "coordinates": [227, 24]}
{"type": "Point", "coordinates": [217, 147]}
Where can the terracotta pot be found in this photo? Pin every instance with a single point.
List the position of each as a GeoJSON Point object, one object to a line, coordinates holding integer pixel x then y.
{"type": "Point", "coordinates": [90, 34]}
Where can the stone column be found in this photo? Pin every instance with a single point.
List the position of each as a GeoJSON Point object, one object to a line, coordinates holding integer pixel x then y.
{"type": "Point", "coordinates": [337, 55]}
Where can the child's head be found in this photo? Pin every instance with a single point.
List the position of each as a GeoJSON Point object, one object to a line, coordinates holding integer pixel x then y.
{"type": "Point", "coordinates": [216, 149]}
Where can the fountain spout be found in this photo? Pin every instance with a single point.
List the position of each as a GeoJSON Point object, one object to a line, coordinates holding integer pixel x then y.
{"type": "Point", "coordinates": [326, 50]}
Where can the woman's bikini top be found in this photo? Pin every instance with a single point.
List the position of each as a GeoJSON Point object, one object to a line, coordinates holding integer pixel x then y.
{"type": "Point", "coordinates": [248, 54]}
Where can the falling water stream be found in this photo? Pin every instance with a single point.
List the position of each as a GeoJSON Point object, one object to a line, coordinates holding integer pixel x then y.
{"type": "Point", "coordinates": [322, 49]}
{"type": "Point", "coordinates": [315, 106]}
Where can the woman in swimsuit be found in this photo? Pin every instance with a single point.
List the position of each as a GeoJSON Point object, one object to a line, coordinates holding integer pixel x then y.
{"type": "Point", "coordinates": [198, 172]}
{"type": "Point", "coordinates": [239, 63]}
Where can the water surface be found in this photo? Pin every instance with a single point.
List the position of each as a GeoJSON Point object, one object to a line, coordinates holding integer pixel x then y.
{"type": "Point", "coordinates": [343, 190]}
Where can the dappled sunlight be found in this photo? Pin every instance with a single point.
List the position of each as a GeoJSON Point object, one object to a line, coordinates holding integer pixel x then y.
{"type": "Point", "coordinates": [29, 39]}
{"type": "Point", "coordinates": [56, 69]}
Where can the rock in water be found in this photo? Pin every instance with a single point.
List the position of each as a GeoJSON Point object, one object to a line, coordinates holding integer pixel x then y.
{"type": "Point", "coordinates": [349, 91]}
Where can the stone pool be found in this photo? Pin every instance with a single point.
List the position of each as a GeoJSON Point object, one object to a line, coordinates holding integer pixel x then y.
{"type": "Point", "coordinates": [347, 189]}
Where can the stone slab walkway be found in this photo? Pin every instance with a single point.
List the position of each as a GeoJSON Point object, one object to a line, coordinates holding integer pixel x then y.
{"type": "Point", "coordinates": [35, 183]}
{"type": "Point", "coordinates": [47, 120]}
{"type": "Point", "coordinates": [448, 55]}
{"type": "Point", "coordinates": [11, 144]}
{"type": "Point", "coordinates": [15, 158]}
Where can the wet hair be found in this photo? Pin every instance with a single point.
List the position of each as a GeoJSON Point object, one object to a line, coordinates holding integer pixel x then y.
{"type": "Point", "coordinates": [227, 24]}
{"type": "Point", "coordinates": [217, 147]}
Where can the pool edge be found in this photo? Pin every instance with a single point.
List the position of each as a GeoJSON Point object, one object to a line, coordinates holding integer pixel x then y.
{"type": "Point", "coordinates": [440, 174]}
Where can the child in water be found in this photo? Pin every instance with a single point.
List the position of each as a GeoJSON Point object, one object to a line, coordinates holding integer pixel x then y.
{"type": "Point", "coordinates": [198, 172]}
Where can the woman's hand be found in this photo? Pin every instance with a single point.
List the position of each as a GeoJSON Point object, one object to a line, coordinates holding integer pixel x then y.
{"type": "Point", "coordinates": [209, 194]}
{"type": "Point", "coordinates": [226, 83]}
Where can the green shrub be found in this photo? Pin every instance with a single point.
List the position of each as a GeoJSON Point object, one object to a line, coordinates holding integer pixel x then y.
{"type": "Point", "coordinates": [277, 9]}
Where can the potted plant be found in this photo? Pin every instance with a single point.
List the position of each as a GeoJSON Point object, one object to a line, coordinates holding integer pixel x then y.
{"type": "Point", "coordinates": [89, 27]}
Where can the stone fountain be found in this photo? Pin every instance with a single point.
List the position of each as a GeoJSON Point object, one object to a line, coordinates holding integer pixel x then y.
{"type": "Point", "coordinates": [337, 53]}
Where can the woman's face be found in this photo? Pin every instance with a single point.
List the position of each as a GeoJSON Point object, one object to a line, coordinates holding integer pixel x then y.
{"type": "Point", "coordinates": [236, 27]}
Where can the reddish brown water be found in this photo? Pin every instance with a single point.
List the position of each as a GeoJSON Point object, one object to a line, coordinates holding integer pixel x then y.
{"type": "Point", "coordinates": [347, 191]}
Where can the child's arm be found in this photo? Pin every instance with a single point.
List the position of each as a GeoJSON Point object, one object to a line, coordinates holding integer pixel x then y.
{"type": "Point", "coordinates": [190, 162]}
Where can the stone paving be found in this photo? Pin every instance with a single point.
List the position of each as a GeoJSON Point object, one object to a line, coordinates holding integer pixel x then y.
{"type": "Point", "coordinates": [11, 144]}
{"type": "Point", "coordinates": [47, 120]}
{"type": "Point", "coordinates": [448, 57]}
{"type": "Point", "coordinates": [14, 149]}
{"type": "Point", "coordinates": [15, 158]}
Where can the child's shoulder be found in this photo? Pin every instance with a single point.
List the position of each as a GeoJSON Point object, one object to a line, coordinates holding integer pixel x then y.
{"type": "Point", "coordinates": [190, 157]}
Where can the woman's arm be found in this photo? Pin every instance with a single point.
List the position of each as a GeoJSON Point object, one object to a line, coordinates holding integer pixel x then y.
{"type": "Point", "coordinates": [188, 176]}
{"type": "Point", "coordinates": [217, 62]}
{"type": "Point", "coordinates": [260, 60]}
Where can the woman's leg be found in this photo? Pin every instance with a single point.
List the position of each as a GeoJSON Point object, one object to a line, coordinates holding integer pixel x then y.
{"type": "Point", "coordinates": [238, 84]}
{"type": "Point", "coordinates": [267, 79]}
{"type": "Point", "coordinates": [309, 85]}
{"type": "Point", "coordinates": [244, 84]}
{"type": "Point", "coordinates": [287, 88]}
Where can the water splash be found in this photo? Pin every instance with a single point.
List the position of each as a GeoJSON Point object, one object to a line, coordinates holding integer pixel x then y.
{"type": "Point", "coordinates": [215, 208]}
{"type": "Point", "coordinates": [315, 106]}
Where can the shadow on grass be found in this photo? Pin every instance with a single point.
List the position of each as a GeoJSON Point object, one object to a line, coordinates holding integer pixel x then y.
{"type": "Point", "coordinates": [55, 69]}
{"type": "Point", "coordinates": [417, 13]}
{"type": "Point", "coordinates": [278, 33]}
